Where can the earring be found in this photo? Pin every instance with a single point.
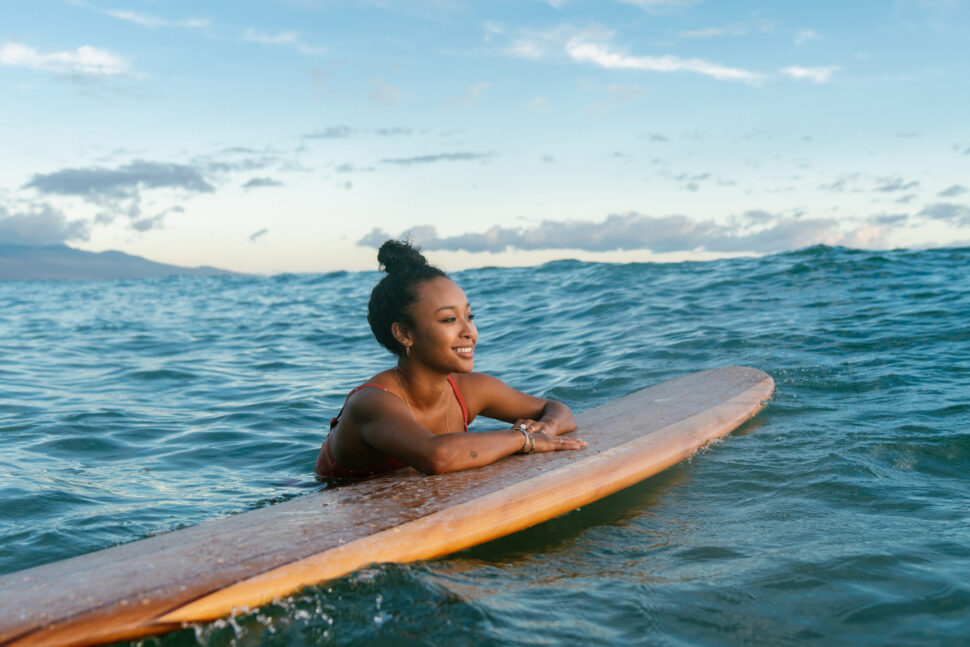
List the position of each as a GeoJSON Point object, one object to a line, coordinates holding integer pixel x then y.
{"type": "Point", "coordinates": [407, 351]}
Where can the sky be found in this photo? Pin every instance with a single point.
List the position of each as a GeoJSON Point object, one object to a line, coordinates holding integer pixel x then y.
{"type": "Point", "coordinates": [274, 136]}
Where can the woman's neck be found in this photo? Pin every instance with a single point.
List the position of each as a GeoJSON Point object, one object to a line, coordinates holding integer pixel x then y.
{"type": "Point", "coordinates": [422, 387]}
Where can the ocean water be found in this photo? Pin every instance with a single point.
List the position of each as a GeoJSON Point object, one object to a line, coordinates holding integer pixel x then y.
{"type": "Point", "coordinates": [839, 515]}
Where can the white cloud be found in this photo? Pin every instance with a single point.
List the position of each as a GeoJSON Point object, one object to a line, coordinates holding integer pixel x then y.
{"type": "Point", "coordinates": [805, 35]}
{"type": "Point", "coordinates": [625, 92]}
{"type": "Point", "coordinates": [537, 45]}
{"type": "Point", "coordinates": [955, 190]}
{"type": "Point", "coordinates": [657, 6]}
{"type": "Point", "coordinates": [146, 20]}
{"type": "Point", "coordinates": [384, 92]}
{"type": "Point", "coordinates": [753, 231]}
{"type": "Point", "coordinates": [473, 92]}
{"type": "Point", "coordinates": [40, 225]}
{"type": "Point", "coordinates": [734, 29]}
{"type": "Point", "coordinates": [603, 56]}
{"type": "Point", "coordinates": [813, 74]}
{"type": "Point", "coordinates": [283, 38]}
{"type": "Point", "coordinates": [85, 60]}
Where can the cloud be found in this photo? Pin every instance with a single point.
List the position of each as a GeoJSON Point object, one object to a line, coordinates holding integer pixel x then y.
{"type": "Point", "coordinates": [218, 164]}
{"type": "Point", "coordinates": [119, 191]}
{"type": "Point", "coordinates": [660, 6]}
{"type": "Point", "coordinates": [754, 231]}
{"type": "Point", "coordinates": [602, 56]}
{"type": "Point", "coordinates": [383, 92]}
{"type": "Point", "coordinates": [343, 132]}
{"type": "Point", "coordinates": [154, 222]}
{"type": "Point", "coordinates": [890, 218]}
{"type": "Point", "coordinates": [93, 183]}
{"type": "Point", "coordinates": [859, 183]}
{"type": "Point", "coordinates": [734, 29]}
{"type": "Point", "coordinates": [536, 45]}
{"type": "Point", "coordinates": [331, 132]}
{"type": "Point", "coordinates": [891, 184]}
{"type": "Point", "coordinates": [805, 35]}
{"type": "Point", "coordinates": [283, 38]}
{"type": "Point", "coordinates": [85, 60]}
{"type": "Point", "coordinates": [472, 93]}
{"type": "Point", "coordinates": [625, 93]}
{"type": "Point", "coordinates": [440, 157]}
{"type": "Point", "coordinates": [813, 74]}
{"type": "Point", "coordinates": [146, 20]}
{"type": "Point", "coordinates": [259, 182]}
{"type": "Point", "coordinates": [41, 225]}
{"type": "Point", "coordinates": [258, 234]}
{"type": "Point", "coordinates": [958, 214]}
{"type": "Point", "coordinates": [955, 190]}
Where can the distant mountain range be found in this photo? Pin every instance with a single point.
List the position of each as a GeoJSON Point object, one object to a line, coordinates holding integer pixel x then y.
{"type": "Point", "coordinates": [29, 263]}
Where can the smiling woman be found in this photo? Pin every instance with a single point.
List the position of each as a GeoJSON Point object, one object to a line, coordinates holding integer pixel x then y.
{"type": "Point", "coordinates": [417, 412]}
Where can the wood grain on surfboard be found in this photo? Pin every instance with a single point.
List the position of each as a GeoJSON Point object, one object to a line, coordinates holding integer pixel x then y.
{"type": "Point", "coordinates": [202, 573]}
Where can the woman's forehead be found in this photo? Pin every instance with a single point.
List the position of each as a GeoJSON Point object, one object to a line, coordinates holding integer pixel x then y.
{"type": "Point", "coordinates": [441, 292]}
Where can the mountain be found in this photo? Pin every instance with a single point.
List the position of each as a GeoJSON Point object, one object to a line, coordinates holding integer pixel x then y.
{"type": "Point", "coordinates": [29, 263]}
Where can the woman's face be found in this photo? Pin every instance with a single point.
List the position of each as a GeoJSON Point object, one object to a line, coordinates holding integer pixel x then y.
{"type": "Point", "coordinates": [443, 335]}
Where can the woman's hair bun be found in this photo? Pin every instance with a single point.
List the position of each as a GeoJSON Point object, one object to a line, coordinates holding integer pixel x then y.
{"type": "Point", "coordinates": [399, 256]}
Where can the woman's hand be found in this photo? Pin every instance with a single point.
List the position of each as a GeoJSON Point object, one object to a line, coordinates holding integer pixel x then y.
{"type": "Point", "coordinates": [542, 440]}
{"type": "Point", "coordinates": [550, 427]}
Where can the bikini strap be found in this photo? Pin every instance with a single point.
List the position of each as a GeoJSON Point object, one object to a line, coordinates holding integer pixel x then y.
{"type": "Point", "coordinates": [461, 401]}
{"type": "Point", "coordinates": [336, 418]}
{"type": "Point", "coordinates": [364, 386]}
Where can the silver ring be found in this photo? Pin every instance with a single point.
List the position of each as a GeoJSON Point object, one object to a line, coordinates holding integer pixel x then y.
{"type": "Point", "coordinates": [522, 427]}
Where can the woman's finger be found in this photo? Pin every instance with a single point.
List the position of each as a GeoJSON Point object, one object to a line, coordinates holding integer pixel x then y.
{"type": "Point", "coordinates": [547, 443]}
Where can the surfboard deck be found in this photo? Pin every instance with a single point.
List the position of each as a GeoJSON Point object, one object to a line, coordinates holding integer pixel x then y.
{"type": "Point", "coordinates": [202, 573]}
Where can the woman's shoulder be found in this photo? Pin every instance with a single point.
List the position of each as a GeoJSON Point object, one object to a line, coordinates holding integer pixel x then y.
{"type": "Point", "coordinates": [475, 380]}
{"type": "Point", "coordinates": [478, 389]}
{"type": "Point", "coordinates": [376, 388]}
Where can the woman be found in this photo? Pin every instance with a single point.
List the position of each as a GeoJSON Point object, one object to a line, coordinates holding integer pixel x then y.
{"type": "Point", "coordinates": [417, 413]}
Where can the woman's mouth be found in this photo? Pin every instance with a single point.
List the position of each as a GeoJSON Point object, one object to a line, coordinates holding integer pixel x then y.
{"type": "Point", "coordinates": [465, 352]}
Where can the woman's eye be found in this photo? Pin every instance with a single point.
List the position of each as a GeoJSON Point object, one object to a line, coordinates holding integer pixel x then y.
{"type": "Point", "coordinates": [471, 317]}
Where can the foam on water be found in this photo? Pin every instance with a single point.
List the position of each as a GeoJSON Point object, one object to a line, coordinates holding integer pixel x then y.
{"type": "Point", "coordinates": [838, 515]}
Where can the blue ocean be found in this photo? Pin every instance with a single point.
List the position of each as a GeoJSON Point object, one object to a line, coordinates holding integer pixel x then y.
{"type": "Point", "coordinates": [839, 515]}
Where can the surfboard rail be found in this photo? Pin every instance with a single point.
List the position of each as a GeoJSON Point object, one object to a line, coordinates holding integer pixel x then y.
{"type": "Point", "coordinates": [247, 560]}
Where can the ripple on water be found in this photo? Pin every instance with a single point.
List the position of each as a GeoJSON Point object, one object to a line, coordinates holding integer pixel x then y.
{"type": "Point", "coordinates": [838, 516]}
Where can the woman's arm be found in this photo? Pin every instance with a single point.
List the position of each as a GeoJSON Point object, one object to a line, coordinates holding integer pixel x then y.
{"type": "Point", "coordinates": [385, 423]}
{"type": "Point", "coordinates": [493, 398]}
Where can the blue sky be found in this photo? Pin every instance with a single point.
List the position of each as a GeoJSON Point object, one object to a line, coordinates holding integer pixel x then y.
{"type": "Point", "coordinates": [294, 135]}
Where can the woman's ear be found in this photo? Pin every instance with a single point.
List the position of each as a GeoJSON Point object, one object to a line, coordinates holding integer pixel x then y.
{"type": "Point", "coordinates": [402, 334]}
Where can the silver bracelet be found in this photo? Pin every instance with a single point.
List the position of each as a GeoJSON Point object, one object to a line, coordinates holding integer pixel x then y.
{"type": "Point", "coordinates": [529, 442]}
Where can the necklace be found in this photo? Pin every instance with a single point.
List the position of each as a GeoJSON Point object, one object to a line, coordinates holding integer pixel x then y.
{"type": "Point", "coordinates": [397, 373]}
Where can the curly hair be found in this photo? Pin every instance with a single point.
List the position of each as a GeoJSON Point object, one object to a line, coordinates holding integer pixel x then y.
{"type": "Point", "coordinates": [392, 297]}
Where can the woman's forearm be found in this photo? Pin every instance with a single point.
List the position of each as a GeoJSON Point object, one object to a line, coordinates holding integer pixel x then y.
{"type": "Point", "coordinates": [462, 450]}
{"type": "Point", "coordinates": [557, 418]}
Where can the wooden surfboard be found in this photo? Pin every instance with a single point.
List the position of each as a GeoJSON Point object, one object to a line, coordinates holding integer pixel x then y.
{"type": "Point", "coordinates": [202, 573]}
